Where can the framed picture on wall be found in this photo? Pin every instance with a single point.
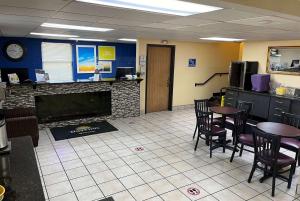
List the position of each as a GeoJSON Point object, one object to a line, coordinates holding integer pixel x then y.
{"type": "Point", "coordinates": [105, 66]}
{"type": "Point", "coordinates": [107, 53]}
{"type": "Point", "coordinates": [86, 58]}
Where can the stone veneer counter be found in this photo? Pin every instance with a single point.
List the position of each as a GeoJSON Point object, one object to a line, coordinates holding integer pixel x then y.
{"type": "Point", "coordinates": [125, 96]}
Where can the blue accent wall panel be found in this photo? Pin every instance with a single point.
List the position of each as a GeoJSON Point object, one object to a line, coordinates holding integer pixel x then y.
{"type": "Point", "coordinates": [125, 55]}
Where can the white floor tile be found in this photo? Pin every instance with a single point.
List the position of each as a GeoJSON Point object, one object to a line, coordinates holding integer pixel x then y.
{"type": "Point", "coordinates": [89, 194]}
{"type": "Point", "coordinates": [105, 176]}
{"type": "Point", "coordinates": [179, 180]}
{"type": "Point", "coordinates": [174, 195]}
{"type": "Point", "coordinates": [112, 163]}
{"type": "Point", "coordinates": [123, 196]}
{"type": "Point", "coordinates": [227, 195]}
{"type": "Point", "coordinates": [59, 189]}
{"type": "Point", "coordinates": [65, 197]}
{"type": "Point", "coordinates": [55, 178]}
{"type": "Point", "coordinates": [77, 172]}
{"type": "Point", "coordinates": [111, 187]}
{"type": "Point", "coordinates": [131, 181]}
{"type": "Point", "coordinates": [142, 192]}
{"type": "Point", "coordinates": [161, 186]}
{"type": "Point", "coordinates": [150, 175]}
{"type": "Point", "coordinates": [122, 171]}
{"type": "Point", "coordinates": [82, 182]}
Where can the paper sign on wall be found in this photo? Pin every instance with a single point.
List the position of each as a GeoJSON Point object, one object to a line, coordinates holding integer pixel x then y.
{"type": "Point", "coordinates": [107, 53]}
{"type": "Point", "coordinates": [192, 63]}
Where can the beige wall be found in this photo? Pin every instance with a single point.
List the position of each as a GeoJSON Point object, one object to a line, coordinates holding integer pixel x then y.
{"type": "Point", "coordinates": [211, 58]}
{"type": "Point", "coordinates": [258, 51]}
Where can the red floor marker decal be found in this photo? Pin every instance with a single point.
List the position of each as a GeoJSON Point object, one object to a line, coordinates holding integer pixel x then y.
{"type": "Point", "coordinates": [193, 191]}
{"type": "Point", "coordinates": [139, 148]}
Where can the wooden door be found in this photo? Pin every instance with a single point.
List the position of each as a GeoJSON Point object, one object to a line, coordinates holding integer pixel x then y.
{"type": "Point", "coordinates": [158, 78]}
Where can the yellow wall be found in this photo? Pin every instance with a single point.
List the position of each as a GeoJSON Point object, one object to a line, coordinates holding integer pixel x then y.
{"type": "Point", "coordinates": [211, 58]}
{"type": "Point", "coordinates": [258, 51]}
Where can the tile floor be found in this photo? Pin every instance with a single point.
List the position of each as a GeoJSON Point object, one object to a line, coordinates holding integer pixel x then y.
{"type": "Point", "coordinates": [151, 158]}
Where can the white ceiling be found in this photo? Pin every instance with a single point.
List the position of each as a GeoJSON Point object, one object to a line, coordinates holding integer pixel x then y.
{"type": "Point", "coordinates": [20, 17]}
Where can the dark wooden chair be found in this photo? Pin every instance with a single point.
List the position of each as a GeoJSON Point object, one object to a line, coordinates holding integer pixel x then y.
{"type": "Point", "coordinates": [241, 139]}
{"type": "Point", "coordinates": [202, 105]}
{"type": "Point", "coordinates": [243, 106]}
{"type": "Point", "coordinates": [266, 149]}
{"type": "Point", "coordinates": [291, 143]}
{"type": "Point", "coordinates": [207, 128]}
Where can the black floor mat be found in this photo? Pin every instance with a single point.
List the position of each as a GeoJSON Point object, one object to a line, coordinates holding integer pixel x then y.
{"type": "Point", "coordinates": [73, 131]}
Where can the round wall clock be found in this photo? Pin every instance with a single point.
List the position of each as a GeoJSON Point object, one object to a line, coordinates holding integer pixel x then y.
{"type": "Point", "coordinates": [14, 51]}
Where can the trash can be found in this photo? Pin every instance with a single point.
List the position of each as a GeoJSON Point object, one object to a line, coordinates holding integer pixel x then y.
{"type": "Point", "coordinates": [3, 134]}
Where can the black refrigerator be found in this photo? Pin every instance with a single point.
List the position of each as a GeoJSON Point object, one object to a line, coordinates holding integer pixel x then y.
{"type": "Point", "coordinates": [240, 74]}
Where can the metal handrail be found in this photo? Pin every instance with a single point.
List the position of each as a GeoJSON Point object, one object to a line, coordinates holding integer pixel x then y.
{"type": "Point", "coordinates": [211, 77]}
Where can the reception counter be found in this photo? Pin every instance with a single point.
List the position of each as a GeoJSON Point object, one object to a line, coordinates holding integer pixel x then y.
{"type": "Point", "coordinates": [125, 96]}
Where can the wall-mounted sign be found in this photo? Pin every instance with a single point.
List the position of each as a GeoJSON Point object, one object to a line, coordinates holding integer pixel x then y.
{"type": "Point", "coordinates": [86, 58]}
{"type": "Point", "coordinates": [107, 53]}
{"type": "Point", "coordinates": [192, 63]}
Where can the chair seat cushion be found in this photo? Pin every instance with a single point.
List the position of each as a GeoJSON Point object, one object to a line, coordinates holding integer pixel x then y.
{"type": "Point", "coordinates": [290, 144]}
{"type": "Point", "coordinates": [218, 131]}
{"type": "Point", "coordinates": [216, 121]}
{"type": "Point", "coordinates": [283, 160]}
{"type": "Point", "coordinates": [246, 139]}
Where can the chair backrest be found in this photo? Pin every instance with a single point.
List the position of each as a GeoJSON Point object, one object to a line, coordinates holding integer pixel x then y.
{"type": "Point", "coordinates": [204, 121]}
{"type": "Point", "coordinates": [266, 146]}
{"type": "Point", "coordinates": [240, 120]}
{"type": "Point", "coordinates": [201, 104]}
{"type": "Point", "coordinates": [291, 119]}
{"type": "Point", "coordinates": [245, 106]}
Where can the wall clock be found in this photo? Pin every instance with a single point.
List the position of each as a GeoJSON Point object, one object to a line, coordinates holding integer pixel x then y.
{"type": "Point", "coordinates": [14, 51]}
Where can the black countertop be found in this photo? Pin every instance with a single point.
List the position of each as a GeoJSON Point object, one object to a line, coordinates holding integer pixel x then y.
{"type": "Point", "coordinates": [265, 94]}
{"type": "Point", "coordinates": [21, 179]}
{"type": "Point", "coordinates": [110, 80]}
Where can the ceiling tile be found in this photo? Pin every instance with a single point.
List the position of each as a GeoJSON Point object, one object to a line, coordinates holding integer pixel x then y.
{"type": "Point", "coordinates": [39, 4]}
{"type": "Point", "coordinates": [263, 21]}
{"type": "Point", "coordinates": [25, 11]}
{"type": "Point", "coordinates": [189, 21]}
{"type": "Point", "coordinates": [75, 16]}
{"type": "Point", "coordinates": [92, 9]}
{"type": "Point", "coordinates": [226, 15]}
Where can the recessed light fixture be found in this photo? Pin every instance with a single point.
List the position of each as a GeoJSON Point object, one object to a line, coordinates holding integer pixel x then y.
{"type": "Point", "coordinates": [223, 39]}
{"type": "Point", "coordinates": [75, 27]}
{"type": "Point", "coordinates": [54, 35]}
{"type": "Point", "coordinates": [88, 39]}
{"type": "Point", "coordinates": [172, 7]}
{"type": "Point", "coordinates": [128, 39]}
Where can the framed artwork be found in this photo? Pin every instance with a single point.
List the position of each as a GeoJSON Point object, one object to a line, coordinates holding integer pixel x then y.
{"type": "Point", "coordinates": [105, 66]}
{"type": "Point", "coordinates": [86, 58]}
{"type": "Point", "coordinates": [107, 53]}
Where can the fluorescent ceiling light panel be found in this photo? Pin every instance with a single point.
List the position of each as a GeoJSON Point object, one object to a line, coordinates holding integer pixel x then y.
{"type": "Point", "coordinates": [87, 39]}
{"type": "Point", "coordinates": [75, 27]}
{"type": "Point", "coordinates": [222, 39]}
{"type": "Point", "coordinates": [128, 39]}
{"type": "Point", "coordinates": [172, 7]}
{"type": "Point", "coordinates": [54, 35]}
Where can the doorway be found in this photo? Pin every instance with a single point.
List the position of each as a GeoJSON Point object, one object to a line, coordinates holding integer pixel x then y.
{"type": "Point", "coordinates": [159, 77]}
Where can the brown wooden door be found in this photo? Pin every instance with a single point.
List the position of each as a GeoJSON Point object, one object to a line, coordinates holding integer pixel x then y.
{"type": "Point", "coordinates": [158, 78]}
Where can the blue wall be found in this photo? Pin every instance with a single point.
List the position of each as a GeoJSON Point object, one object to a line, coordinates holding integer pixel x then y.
{"type": "Point", "coordinates": [125, 55]}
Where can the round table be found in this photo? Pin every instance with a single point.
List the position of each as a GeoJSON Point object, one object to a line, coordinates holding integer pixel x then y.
{"type": "Point", "coordinates": [279, 129]}
{"type": "Point", "coordinates": [224, 110]}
